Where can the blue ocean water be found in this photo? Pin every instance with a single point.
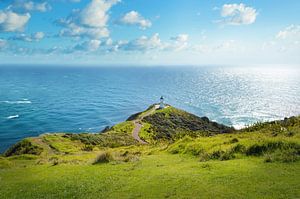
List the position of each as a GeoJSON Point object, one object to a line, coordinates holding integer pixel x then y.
{"type": "Point", "coordinates": [35, 100]}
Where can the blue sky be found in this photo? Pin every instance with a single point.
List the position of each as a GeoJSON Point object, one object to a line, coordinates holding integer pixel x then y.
{"type": "Point", "coordinates": [150, 32]}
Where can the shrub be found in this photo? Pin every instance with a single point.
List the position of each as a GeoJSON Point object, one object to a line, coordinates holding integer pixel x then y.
{"type": "Point", "coordinates": [103, 157]}
{"type": "Point", "coordinates": [54, 161]}
{"type": "Point", "coordinates": [234, 140]}
{"type": "Point", "coordinates": [173, 123]}
{"type": "Point", "coordinates": [23, 147]}
{"type": "Point", "coordinates": [227, 155]}
{"type": "Point", "coordinates": [88, 147]}
{"type": "Point", "coordinates": [290, 134]}
{"type": "Point", "coordinates": [289, 155]}
{"type": "Point", "coordinates": [128, 157]}
{"type": "Point", "coordinates": [222, 155]}
{"type": "Point", "coordinates": [193, 149]}
{"type": "Point", "coordinates": [271, 146]}
{"type": "Point", "coordinates": [239, 148]}
{"type": "Point", "coordinates": [203, 157]}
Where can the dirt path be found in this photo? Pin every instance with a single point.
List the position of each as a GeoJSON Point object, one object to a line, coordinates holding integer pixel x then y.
{"type": "Point", "coordinates": [136, 131]}
{"type": "Point", "coordinates": [138, 126]}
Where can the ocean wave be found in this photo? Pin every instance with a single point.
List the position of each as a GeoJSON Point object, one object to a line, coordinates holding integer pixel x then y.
{"type": "Point", "coordinates": [17, 102]}
{"type": "Point", "coordinates": [12, 116]}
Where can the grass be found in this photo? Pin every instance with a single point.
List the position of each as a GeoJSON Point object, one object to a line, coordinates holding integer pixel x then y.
{"type": "Point", "coordinates": [60, 143]}
{"type": "Point", "coordinates": [155, 176]}
{"type": "Point", "coordinates": [147, 133]}
{"type": "Point", "coordinates": [261, 161]}
{"type": "Point", "coordinates": [229, 146]}
{"type": "Point", "coordinates": [123, 127]}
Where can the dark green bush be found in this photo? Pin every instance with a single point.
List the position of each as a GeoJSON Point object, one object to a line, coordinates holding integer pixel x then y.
{"type": "Point", "coordinates": [222, 155]}
{"type": "Point", "coordinates": [239, 148]}
{"type": "Point", "coordinates": [271, 146]}
{"type": "Point", "coordinates": [88, 147]}
{"type": "Point", "coordinates": [23, 147]}
{"type": "Point", "coordinates": [234, 140]}
{"type": "Point", "coordinates": [175, 124]}
{"type": "Point", "coordinates": [227, 155]}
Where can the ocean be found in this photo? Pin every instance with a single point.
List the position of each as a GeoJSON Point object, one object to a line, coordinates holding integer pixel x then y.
{"type": "Point", "coordinates": [44, 99]}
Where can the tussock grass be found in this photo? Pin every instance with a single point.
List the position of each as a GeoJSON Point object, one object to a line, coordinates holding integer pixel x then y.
{"type": "Point", "coordinates": [286, 156]}
{"type": "Point", "coordinates": [117, 156]}
{"type": "Point", "coordinates": [5, 163]}
{"type": "Point", "coordinates": [226, 147]}
{"type": "Point", "coordinates": [103, 157]}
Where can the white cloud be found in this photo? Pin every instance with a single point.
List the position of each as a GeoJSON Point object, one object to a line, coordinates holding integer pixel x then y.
{"type": "Point", "coordinates": [29, 38]}
{"type": "Point", "coordinates": [3, 43]}
{"type": "Point", "coordinates": [154, 42]}
{"type": "Point", "coordinates": [180, 42]}
{"type": "Point", "coordinates": [290, 32]}
{"type": "Point", "coordinates": [229, 45]}
{"type": "Point", "coordinates": [12, 22]}
{"type": "Point", "coordinates": [89, 22]}
{"type": "Point", "coordinates": [74, 30]}
{"type": "Point", "coordinates": [181, 38]}
{"type": "Point", "coordinates": [109, 42]}
{"type": "Point", "coordinates": [39, 35]}
{"type": "Point", "coordinates": [91, 45]}
{"type": "Point", "coordinates": [134, 18]}
{"type": "Point", "coordinates": [143, 43]}
{"type": "Point", "coordinates": [226, 46]}
{"type": "Point", "coordinates": [27, 6]}
{"type": "Point", "coordinates": [95, 14]}
{"type": "Point", "coordinates": [285, 40]}
{"type": "Point", "coordinates": [238, 14]}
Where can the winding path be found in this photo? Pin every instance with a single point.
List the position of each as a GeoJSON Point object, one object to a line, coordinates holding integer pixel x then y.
{"type": "Point", "coordinates": [138, 125]}
{"type": "Point", "coordinates": [136, 131]}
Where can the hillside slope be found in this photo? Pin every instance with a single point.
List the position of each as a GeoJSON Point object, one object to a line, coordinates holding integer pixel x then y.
{"type": "Point", "coordinates": [172, 123]}
{"type": "Point", "coordinates": [186, 157]}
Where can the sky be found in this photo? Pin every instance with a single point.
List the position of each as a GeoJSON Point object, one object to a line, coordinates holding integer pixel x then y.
{"type": "Point", "coordinates": [150, 32]}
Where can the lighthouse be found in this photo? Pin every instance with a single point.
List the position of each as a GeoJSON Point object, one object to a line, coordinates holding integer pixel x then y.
{"type": "Point", "coordinates": [161, 103]}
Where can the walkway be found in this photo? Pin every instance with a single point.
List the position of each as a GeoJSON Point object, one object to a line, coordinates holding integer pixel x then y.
{"type": "Point", "coordinates": [138, 125]}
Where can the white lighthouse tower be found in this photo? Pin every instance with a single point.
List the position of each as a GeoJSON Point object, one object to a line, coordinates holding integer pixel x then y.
{"type": "Point", "coordinates": [161, 103]}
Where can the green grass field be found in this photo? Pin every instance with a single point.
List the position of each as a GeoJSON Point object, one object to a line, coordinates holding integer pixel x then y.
{"type": "Point", "coordinates": [155, 176]}
{"type": "Point", "coordinates": [261, 161]}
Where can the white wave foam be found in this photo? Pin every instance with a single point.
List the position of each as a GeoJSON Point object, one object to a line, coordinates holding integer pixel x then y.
{"type": "Point", "coordinates": [17, 102]}
{"type": "Point", "coordinates": [12, 116]}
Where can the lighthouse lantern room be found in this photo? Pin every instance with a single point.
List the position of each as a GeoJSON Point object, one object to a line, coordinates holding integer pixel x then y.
{"type": "Point", "coordinates": [161, 103]}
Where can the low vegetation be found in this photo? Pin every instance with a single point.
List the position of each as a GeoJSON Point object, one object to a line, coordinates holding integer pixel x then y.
{"type": "Point", "coordinates": [187, 156]}
{"type": "Point", "coordinates": [225, 147]}
{"type": "Point", "coordinates": [23, 147]}
{"type": "Point", "coordinates": [172, 123]}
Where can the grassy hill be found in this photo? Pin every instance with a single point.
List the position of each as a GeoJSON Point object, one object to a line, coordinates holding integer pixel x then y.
{"type": "Point", "coordinates": [186, 157]}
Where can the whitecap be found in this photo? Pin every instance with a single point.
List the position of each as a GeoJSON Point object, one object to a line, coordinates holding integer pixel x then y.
{"type": "Point", "coordinates": [12, 116]}
{"type": "Point", "coordinates": [17, 102]}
